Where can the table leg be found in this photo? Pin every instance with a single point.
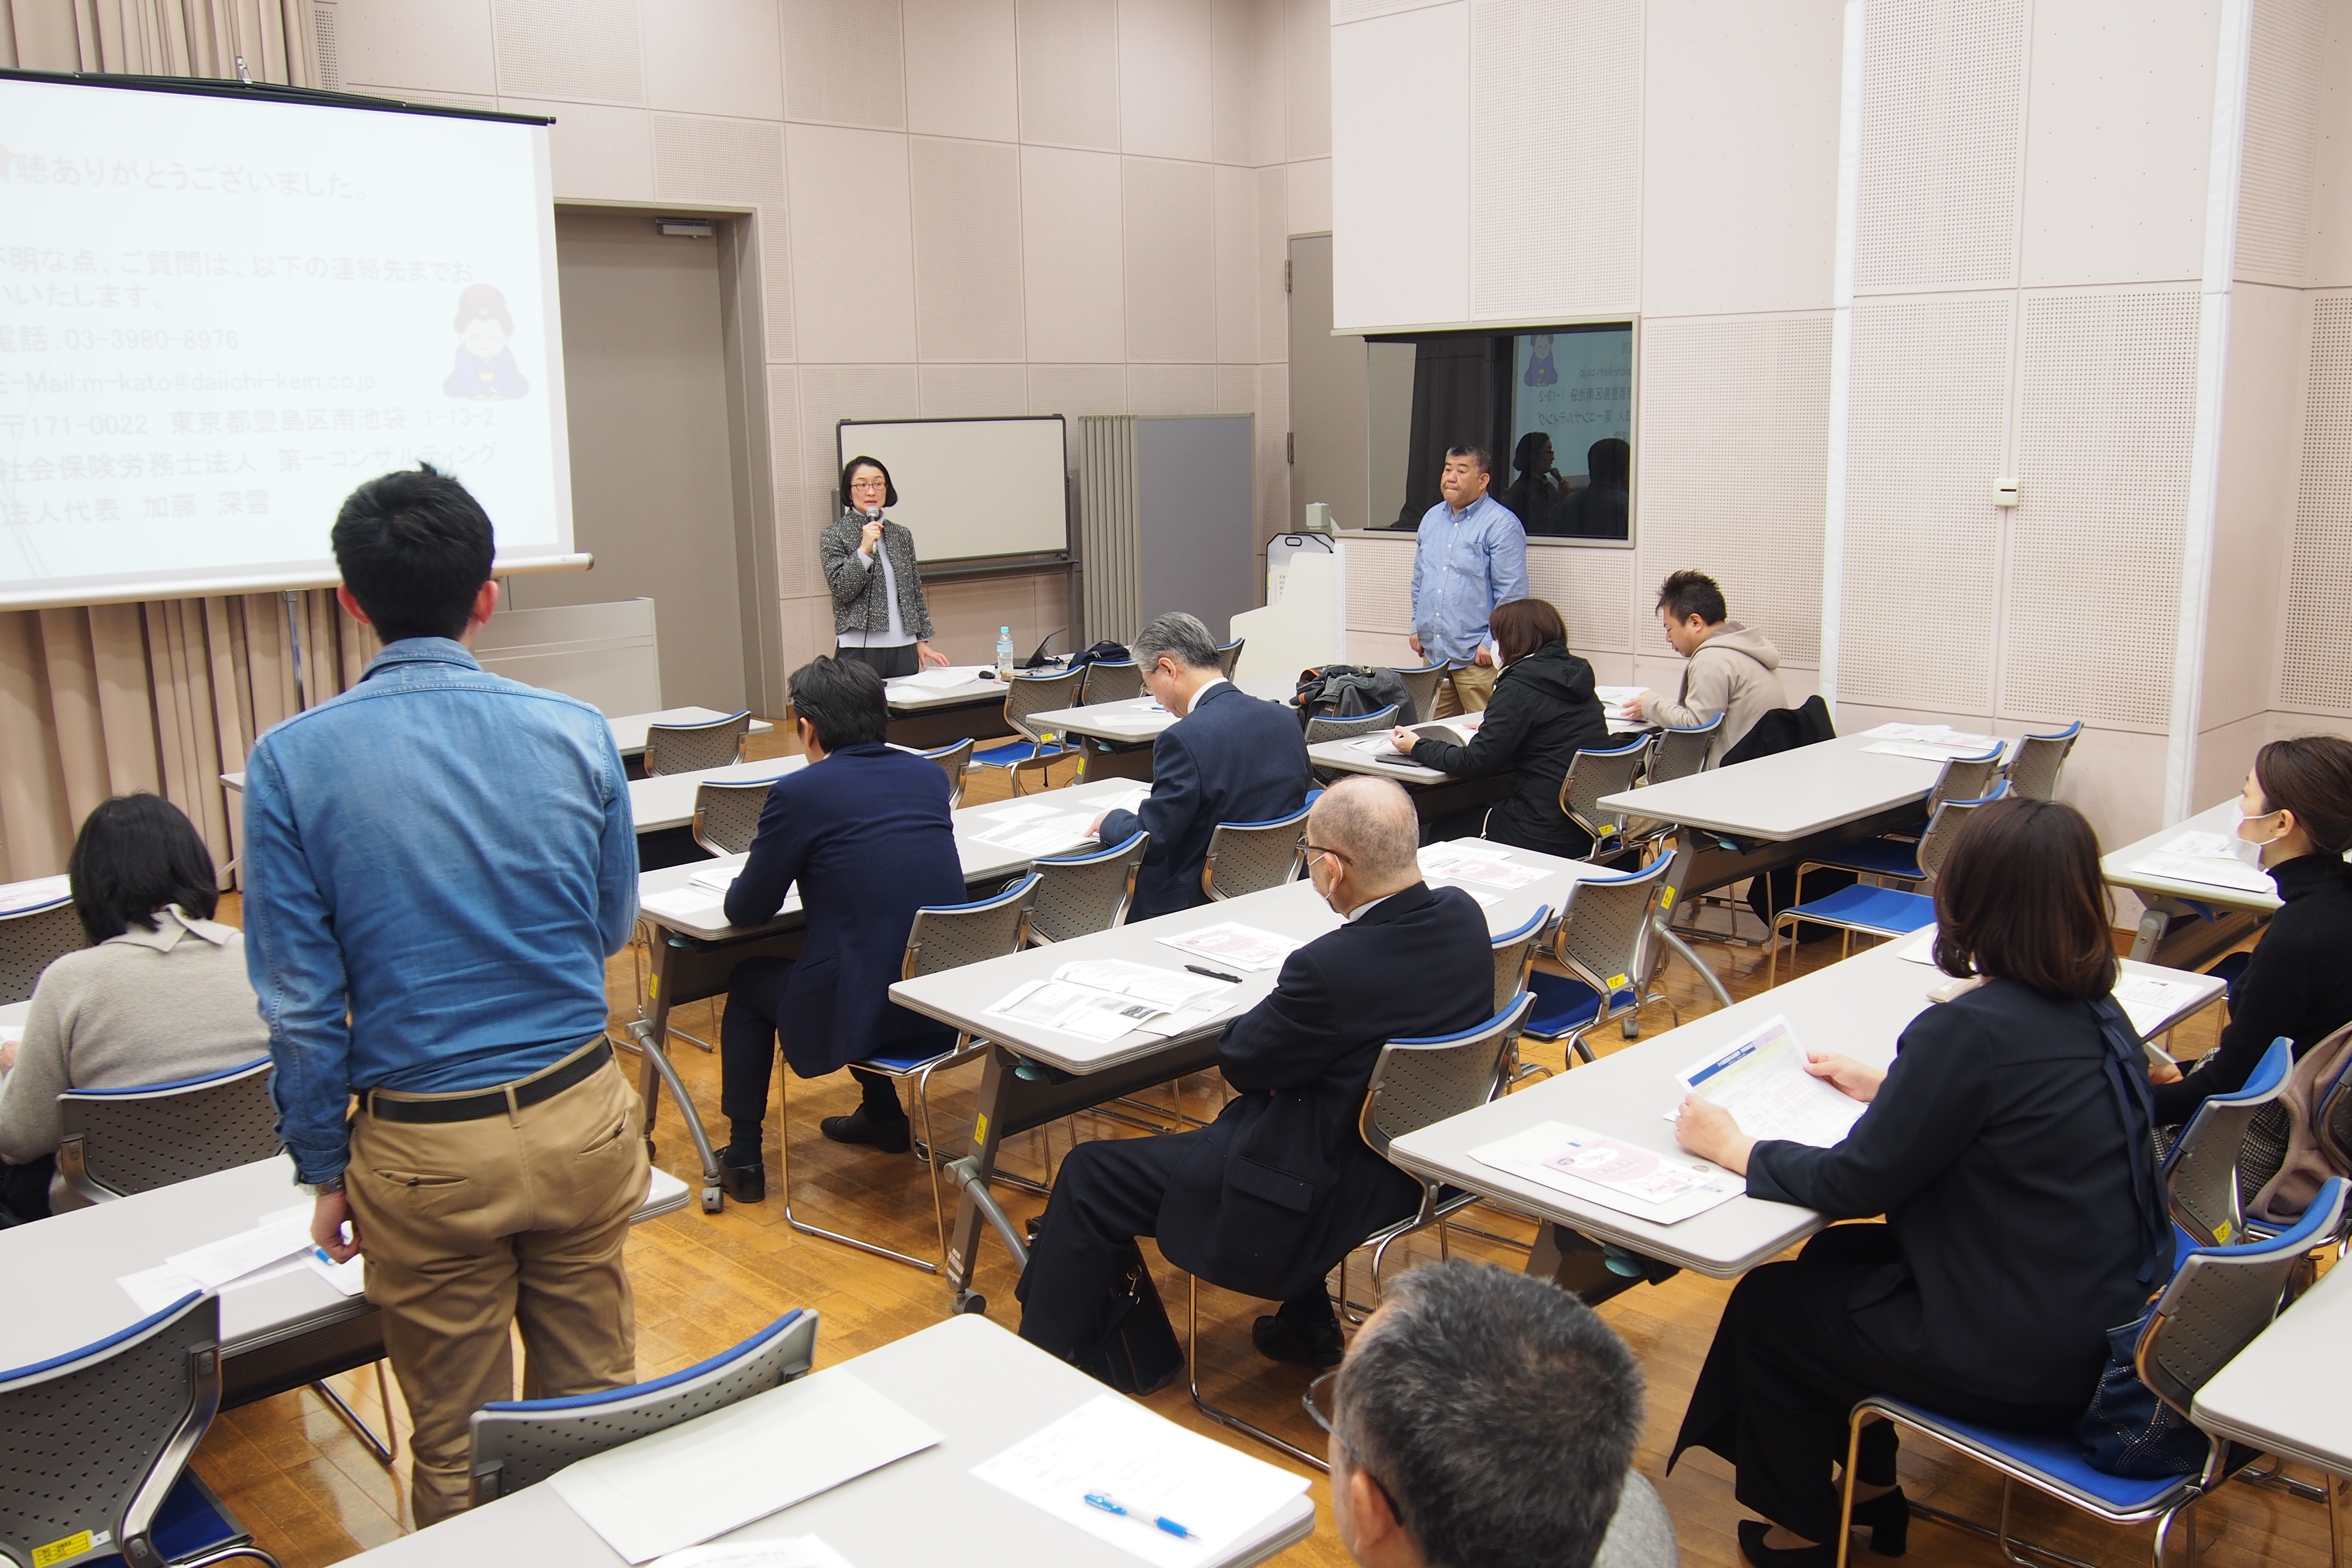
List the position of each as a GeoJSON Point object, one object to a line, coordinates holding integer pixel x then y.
{"type": "Point", "coordinates": [996, 1084]}
{"type": "Point", "coordinates": [2339, 1520]}
{"type": "Point", "coordinates": [1581, 1265]}
{"type": "Point", "coordinates": [655, 1067]}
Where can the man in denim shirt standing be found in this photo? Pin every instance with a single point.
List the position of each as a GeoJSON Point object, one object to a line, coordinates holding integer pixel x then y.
{"type": "Point", "coordinates": [436, 864]}
{"type": "Point", "coordinates": [1470, 555]}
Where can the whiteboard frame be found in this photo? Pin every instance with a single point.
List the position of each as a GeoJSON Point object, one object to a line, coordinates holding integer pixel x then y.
{"type": "Point", "coordinates": [973, 564]}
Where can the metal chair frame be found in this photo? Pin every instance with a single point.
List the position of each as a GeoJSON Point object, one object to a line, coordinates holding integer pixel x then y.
{"type": "Point", "coordinates": [31, 940]}
{"type": "Point", "coordinates": [2200, 1172]}
{"type": "Point", "coordinates": [1601, 960]}
{"type": "Point", "coordinates": [1421, 684]}
{"type": "Point", "coordinates": [2034, 767]}
{"type": "Point", "coordinates": [1415, 1083]}
{"type": "Point", "coordinates": [1232, 839]}
{"type": "Point", "coordinates": [1934, 845]}
{"type": "Point", "coordinates": [1515, 960]}
{"type": "Point", "coordinates": [1012, 907]}
{"type": "Point", "coordinates": [702, 740]}
{"type": "Point", "coordinates": [1024, 695]}
{"type": "Point", "coordinates": [1593, 773]}
{"type": "Point", "coordinates": [954, 761]}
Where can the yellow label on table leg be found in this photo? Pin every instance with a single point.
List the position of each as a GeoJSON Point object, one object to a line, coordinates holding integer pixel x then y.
{"type": "Point", "coordinates": [652, 986]}
{"type": "Point", "coordinates": [60, 1551]}
{"type": "Point", "coordinates": [980, 1132]}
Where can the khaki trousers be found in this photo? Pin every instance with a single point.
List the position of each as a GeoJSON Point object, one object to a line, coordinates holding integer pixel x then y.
{"type": "Point", "coordinates": [1465, 690]}
{"type": "Point", "coordinates": [469, 1227]}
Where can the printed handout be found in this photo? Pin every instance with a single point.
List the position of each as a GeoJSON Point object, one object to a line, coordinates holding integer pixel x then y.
{"type": "Point", "coordinates": [1453, 863]}
{"type": "Point", "coordinates": [1235, 945]}
{"type": "Point", "coordinates": [2206, 857]}
{"type": "Point", "coordinates": [1661, 1188]}
{"type": "Point", "coordinates": [1760, 1079]}
{"type": "Point", "coordinates": [2147, 1000]}
{"type": "Point", "coordinates": [1101, 999]}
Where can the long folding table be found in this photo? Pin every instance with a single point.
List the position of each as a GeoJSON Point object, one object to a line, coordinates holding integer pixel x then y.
{"type": "Point", "coordinates": [2187, 922]}
{"type": "Point", "coordinates": [2274, 1395]}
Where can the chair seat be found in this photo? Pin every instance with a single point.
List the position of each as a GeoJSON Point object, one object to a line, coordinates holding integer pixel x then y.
{"type": "Point", "coordinates": [2057, 1458]}
{"type": "Point", "coordinates": [1886, 910]}
{"type": "Point", "coordinates": [1012, 751]}
{"type": "Point", "coordinates": [1564, 1005]}
{"type": "Point", "coordinates": [1876, 857]}
{"type": "Point", "coordinates": [903, 1064]}
{"type": "Point", "coordinates": [190, 1523]}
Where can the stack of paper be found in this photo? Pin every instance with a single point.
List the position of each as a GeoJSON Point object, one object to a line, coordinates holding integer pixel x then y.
{"type": "Point", "coordinates": [277, 1244]}
{"type": "Point", "coordinates": [1760, 1079]}
{"type": "Point", "coordinates": [1613, 699]}
{"type": "Point", "coordinates": [1930, 742]}
{"type": "Point", "coordinates": [1661, 1188]}
{"type": "Point", "coordinates": [1239, 946]}
{"type": "Point", "coordinates": [1056, 835]}
{"type": "Point", "coordinates": [944, 679]}
{"type": "Point", "coordinates": [1475, 860]}
{"type": "Point", "coordinates": [1100, 1000]}
{"type": "Point", "coordinates": [32, 895]}
{"type": "Point", "coordinates": [2205, 857]}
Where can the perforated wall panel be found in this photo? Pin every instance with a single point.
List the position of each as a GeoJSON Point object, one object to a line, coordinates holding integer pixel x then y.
{"type": "Point", "coordinates": [327, 29]}
{"type": "Point", "coordinates": [1560, 189]}
{"type": "Point", "coordinates": [1357, 10]}
{"type": "Point", "coordinates": [1925, 447]}
{"type": "Point", "coordinates": [2315, 666]}
{"type": "Point", "coordinates": [1069, 72]}
{"type": "Point", "coordinates": [2106, 424]}
{"type": "Point", "coordinates": [1379, 586]}
{"type": "Point", "coordinates": [697, 158]}
{"type": "Point", "coordinates": [1170, 213]}
{"type": "Point", "coordinates": [974, 391]}
{"type": "Point", "coordinates": [1236, 389]}
{"type": "Point", "coordinates": [1591, 589]}
{"type": "Point", "coordinates": [2283, 89]}
{"type": "Point", "coordinates": [1943, 119]}
{"type": "Point", "coordinates": [1306, 78]}
{"type": "Point", "coordinates": [844, 63]}
{"type": "Point", "coordinates": [831, 393]}
{"type": "Point", "coordinates": [797, 521]}
{"type": "Point", "coordinates": [1171, 388]}
{"type": "Point", "coordinates": [586, 49]}
{"type": "Point", "coordinates": [1071, 390]}
{"type": "Point", "coordinates": [1232, 73]}
{"type": "Point", "coordinates": [1734, 456]}
{"type": "Point", "coordinates": [967, 199]}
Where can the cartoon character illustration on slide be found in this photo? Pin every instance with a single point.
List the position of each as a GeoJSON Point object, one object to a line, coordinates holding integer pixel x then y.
{"type": "Point", "coordinates": [1541, 371]}
{"type": "Point", "coordinates": [486, 369]}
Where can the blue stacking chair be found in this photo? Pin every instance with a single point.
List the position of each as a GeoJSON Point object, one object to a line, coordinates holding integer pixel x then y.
{"type": "Point", "coordinates": [1603, 941]}
{"type": "Point", "coordinates": [2201, 1170]}
{"type": "Point", "coordinates": [1594, 773]}
{"type": "Point", "coordinates": [1112, 681]}
{"type": "Point", "coordinates": [1879, 911]}
{"type": "Point", "coordinates": [95, 1444]}
{"type": "Point", "coordinates": [1515, 963]}
{"type": "Point", "coordinates": [1032, 749]}
{"type": "Point", "coordinates": [2218, 1301]}
{"type": "Point", "coordinates": [521, 1442]}
{"type": "Point", "coordinates": [2033, 766]}
{"type": "Point", "coordinates": [1896, 857]}
{"type": "Point", "coordinates": [1250, 857]}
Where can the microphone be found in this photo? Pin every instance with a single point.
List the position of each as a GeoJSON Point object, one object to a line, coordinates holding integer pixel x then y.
{"type": "Point", "coordinates": [1037, 660]}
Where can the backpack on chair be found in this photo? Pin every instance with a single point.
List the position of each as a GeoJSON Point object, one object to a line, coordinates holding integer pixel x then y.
{"type": "Point", "coordinates": [1351, 691]}
{"type": "Point", "coordinates": [2314, 1151]}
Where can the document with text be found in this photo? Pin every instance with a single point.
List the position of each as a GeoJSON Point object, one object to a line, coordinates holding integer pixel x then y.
{"type": "Point", "coordinates": [1231, 943]}
{"type": "Point", "coordinates": [1760, 1079]}
{"type": "Point", "coordinates": [1101, 999]}
{"type": "Point", "coordinates": [1661, 1188]}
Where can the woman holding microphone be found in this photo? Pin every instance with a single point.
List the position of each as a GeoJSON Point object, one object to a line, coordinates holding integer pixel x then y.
{"type": "Point", "coordinates": [878, 614]}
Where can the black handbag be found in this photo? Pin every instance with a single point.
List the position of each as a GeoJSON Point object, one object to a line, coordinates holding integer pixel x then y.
{"type": "Point", "coordinates": [2127, 1430]}
{"type": "Point", "coordinates": [1128, 1342]}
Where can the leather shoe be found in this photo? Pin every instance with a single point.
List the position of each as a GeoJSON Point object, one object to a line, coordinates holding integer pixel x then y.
{"type": "Point", "coordinates": [1752, 1547]}
{"type": "Point", "coordinates": [892, 1137]}
{"type": "Point", "coordinates": [1281, 1339]}
{"type": "Point", "coordinates": [744, 1184]}
{"type": "Point", "coordinates": [1888, 1516]}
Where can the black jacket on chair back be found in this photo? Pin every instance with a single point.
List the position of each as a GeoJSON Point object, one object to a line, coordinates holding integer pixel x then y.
{"type": "Point", "coordinates": [1543, 712]}
{"type": "Point", "coordinates": [1282, 1185]}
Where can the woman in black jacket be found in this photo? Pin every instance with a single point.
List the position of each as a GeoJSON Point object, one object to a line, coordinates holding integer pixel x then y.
{"type": "Point", "coordinates": [1543, 712]}
{"type": "Point", "coordinates": [2296, 821]}
{"type": "Point", "coordinates": [2009, 1145]}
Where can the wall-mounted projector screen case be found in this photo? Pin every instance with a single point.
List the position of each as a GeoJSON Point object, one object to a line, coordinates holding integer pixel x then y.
{"type": "Point", "coordinates": [972, 491]}
{"type": "Point", "coordinates": [227, 307]}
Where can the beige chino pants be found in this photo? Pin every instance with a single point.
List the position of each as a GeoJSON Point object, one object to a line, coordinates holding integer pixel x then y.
{"type": "Point", "coordinates": [1465, 690]}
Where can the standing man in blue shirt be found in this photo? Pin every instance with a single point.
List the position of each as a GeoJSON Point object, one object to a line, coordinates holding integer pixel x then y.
{"type": "Point", "coordinates": [1470, 555]}
{"type": "Point", "coordinates": [436, 864]}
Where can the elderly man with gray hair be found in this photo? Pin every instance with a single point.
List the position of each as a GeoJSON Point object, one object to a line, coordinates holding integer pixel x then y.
{"type": "Point", "coordinates": [1228, 758]}
{"type": "Point", "coordinates": [1269, 1197]}
{"type": "Point", "coordinates": [1484, 1417]}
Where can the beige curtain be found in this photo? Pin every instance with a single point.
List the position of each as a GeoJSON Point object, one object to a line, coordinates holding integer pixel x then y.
{"type": "Point", "coordinates": [162, 37]}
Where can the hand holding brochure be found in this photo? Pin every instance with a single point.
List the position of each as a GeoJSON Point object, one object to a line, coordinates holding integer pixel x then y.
{"type": "Point", "coordinates": [1760, 1079]}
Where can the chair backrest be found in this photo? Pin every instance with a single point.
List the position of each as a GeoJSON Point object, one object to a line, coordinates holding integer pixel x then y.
{"type": "Point", "coordinates": [118, 1142]}
{"type": "Point", "coordinates": [1967, 778]}
{"type": "Point", "coordinates": [691, 748]}
{"type": "Point", "coordinates": [2206, 1199]}
{"type": "Point", "coordinates": [949, 936]}
{"type": "Point", "coordinates": [1328, 729]}
{"type": "Point", "coordinates": [1228, 654]}
{"type": "Point", "coordinates": [1419, 1083]}
{"type": "Point", "coordinates": [2033, 771]}
{"type": "Point", "coordinates": [1111, 680]}
{"type": "Point", "coordinates": [727, 815]}
{"type": "Point", "coordinates": [1514, 955]}
{"type": "Point", "coordinates": [1027, 694]}
{"type": "Point", "coordinates": [520, 1442]}
{"type": "Point", "coordinates": [953, 761]}
{"type": "Point", "coordinates": [31, 942]}
{"type": "Point", "coordinates": [1679, 754]}
{"type": "Point", "coordinates": [1603, 936]}
{"type": "Point", "coordinates": [2221, 1298]}
{"type": "Point", "coordinates": [1250, 857]}
{"type": "Point", "coordinates": [1590, 775]}
{"type": "Point", "coordinates": [1943, 825]}
{"type": "Point", "coordinates": [1078, 895]}
{"type": "Point", "coordinates": [1421, 685]}
{"type": "Point", "coordinates": [92, 1442]}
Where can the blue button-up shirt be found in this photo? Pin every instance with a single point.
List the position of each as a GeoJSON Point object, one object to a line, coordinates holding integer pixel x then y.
{"type": "Point", "coordinates": [1463, 564]}
{"type": "Point", "coordinates": [445, 858]}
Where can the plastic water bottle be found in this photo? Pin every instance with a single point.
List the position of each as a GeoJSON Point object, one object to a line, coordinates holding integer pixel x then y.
{"type": "Point", "coordinates": [1004, 650]}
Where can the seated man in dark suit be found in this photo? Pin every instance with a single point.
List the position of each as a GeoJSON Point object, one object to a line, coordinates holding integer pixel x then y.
{"type": "Point", "coordinates": [1229, 757]}
{"type": "Point", "coordinates": [1269, 1197]}
{"type": "Point", "coordinates": [864, 831]}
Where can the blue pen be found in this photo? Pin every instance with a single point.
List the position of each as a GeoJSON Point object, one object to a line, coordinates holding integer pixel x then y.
{"type": "Point", "coordinates": [1109, 1504]}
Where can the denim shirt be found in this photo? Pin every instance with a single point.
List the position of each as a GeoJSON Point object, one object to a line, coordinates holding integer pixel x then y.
{"type": "Point", "coordinates": [1463, 564]}
{"type": "Point", "coordinates": [446, 856]}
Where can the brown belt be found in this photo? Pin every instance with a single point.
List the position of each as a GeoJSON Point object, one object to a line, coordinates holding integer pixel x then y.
{"type": "Point", "coordinates": [493, 1101]}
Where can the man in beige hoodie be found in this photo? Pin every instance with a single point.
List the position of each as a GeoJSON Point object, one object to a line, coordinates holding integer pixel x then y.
{"type": "Point", "coordinates": [1732, 670]}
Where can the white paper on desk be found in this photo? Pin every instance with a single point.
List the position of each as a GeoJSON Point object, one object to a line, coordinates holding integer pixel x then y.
{"type": "Point", "coordinates": [349, 1278]}
{"type": "Point", "coordinates": [1026, 811]}
{"type": "Point", "coordinates": [1454, 865]}
{"type": "Point", "coordinates": [2147, 1001]}
{"type": "Point", "coordinates": [1169, 987]}
{"type": "Point", "coordinates": [1661, 1188]}
{"type": "Point", "coordinates": [1113, 1446]}
{"type": "Point", "coordinates": [152, 1289]}
{"type": "Point", "coordinates": [941, 680]}
{"type": "Point", "coordinates": [681, 1488]}
{"type": "Point", "coordinates": [791, 1551]}
{"type": "Point", "coordinates": [1919, 947]}
{"type": "Point", "coordinates": [1760, 1079]}
{"type": "Point", "coordinates": [34, 894]}
{"type": "Point", "coordinates": [1124, 800]}
{"type": "Point", "coordinates": [1081, 1010]}
{"type": "Point", "coordinates": [717, 879]}
{"type": "Point", "coordinates": [1230, 941]}
{"type": "Point", "coordinates": [216, 1263]}
{"type": "Point", "coordinates": [1919, 749]}
{"type": "Point", "coordinates": [1048, 836]}
{"type": "Point", "coordinates": [1908, 731]}
{"type": "Point", "coordinates": [2232, 873]}
{"type": "Point", "coordinates": [687, 903]}
{"type": "Point", "coordinates": [1184, 1020]}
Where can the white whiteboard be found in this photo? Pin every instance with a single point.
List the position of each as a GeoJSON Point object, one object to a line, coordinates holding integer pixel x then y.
{"type": "Point", "coordinates": [972, 489]}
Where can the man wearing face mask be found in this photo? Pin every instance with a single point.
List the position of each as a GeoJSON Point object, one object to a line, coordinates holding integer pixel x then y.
{"type": "Point", "coordinates": [2294, 821]}
{"type": "Point", "coordinates": [1267, 1199]}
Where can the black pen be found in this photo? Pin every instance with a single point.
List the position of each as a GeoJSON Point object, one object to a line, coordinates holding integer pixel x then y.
{"type": "Point", "coordinates": [1214, 973]}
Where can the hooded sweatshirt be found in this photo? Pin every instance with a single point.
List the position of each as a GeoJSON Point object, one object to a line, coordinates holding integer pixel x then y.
{"type": "Point", "coordinates": [1543, 712]}
{"type": "Point", "coordinates": [1733, 674]}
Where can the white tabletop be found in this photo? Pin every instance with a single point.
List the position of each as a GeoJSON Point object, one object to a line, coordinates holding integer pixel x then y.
{"type": "Point", "coordinates": [1787, 795]}
{"type": "Point", "coordinates": [14, 1014]}
{"type": "Point", "coordinates": [979, 684]}
{"type": "Point", "coordinates": [1137, 720]}
{"type": "Point", "coordinates": [977, 1384]}
{"type": "Point", "coordinates": [629, 729]}
{"type": "Point", "coordinates": [2121, 867]}
{"type": "Point", "coordinates": [667, 801]}
{"type": "Point", "coordinates": [1857, 1008]}
{"type": "Point", "coordinates": [77, 1256]}
{"type": "Point", "coordinates": [981, 861]}
{"type": "Point", "coordinates": [2273, 1395]}
{"type": "Point", "coordinates": [1362, 754]}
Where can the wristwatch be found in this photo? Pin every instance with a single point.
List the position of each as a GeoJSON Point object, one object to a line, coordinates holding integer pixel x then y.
{"type": "Point", "coordinates": [334, 1184]}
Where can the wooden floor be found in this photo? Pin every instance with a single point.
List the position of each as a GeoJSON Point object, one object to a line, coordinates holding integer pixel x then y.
{"type": "Point", "coordinates": [312, 1495]}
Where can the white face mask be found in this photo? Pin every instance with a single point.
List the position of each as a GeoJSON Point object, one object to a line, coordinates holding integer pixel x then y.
{"type": "Point", "coordinates": [2250, 850]}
